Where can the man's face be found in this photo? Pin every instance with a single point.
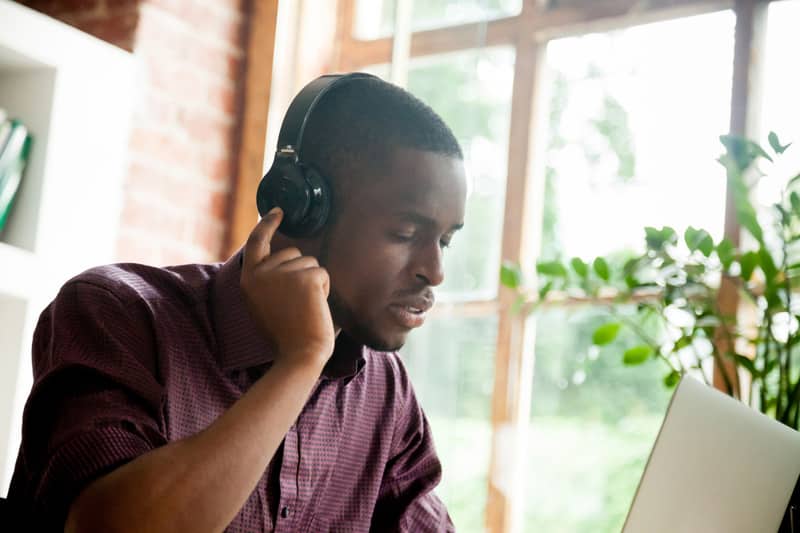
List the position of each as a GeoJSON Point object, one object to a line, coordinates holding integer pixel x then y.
{"type": "Point", "coordinates": [384, 251]}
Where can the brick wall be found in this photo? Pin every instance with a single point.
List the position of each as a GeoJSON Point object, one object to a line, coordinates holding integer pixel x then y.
{"type": "Point", "coordinates": [184, 137]}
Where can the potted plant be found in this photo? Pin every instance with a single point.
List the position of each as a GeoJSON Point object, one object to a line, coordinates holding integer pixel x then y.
{"type": "Point", "coordinates": [669, 295]}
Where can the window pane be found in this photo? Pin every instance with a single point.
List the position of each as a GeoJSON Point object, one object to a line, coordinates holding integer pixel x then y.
{"type": "Point", "coordinates": [375, 18]}
{"type": "Point", "coordinates": [633, 134]}
{"type": "Point", "coordinates": [780, 106]}
{"type": "Point", "coordinates": [593, 423]}
{"type": "Point", "coordinates": [632, 141]}
{"type": "Point", "coordinates": [471, 90]}
{"type": "Point", "coordinates": [451, 362]}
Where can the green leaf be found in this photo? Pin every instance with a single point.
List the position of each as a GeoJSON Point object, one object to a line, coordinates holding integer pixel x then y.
{"type": "Point", "coordinates": [748, 263]}
{"type": "Point", "coordinates": [683, 342]}
{"type": "Point", "coordinates": [580, 267]}
{"type": "Point", "coordinates": [748, 220]}
{"type": "Point", "coordinates": [637, 355]}
{"type": "Point", "coordinates": [776, 144]}
{"type": "Point", "coordinates": [551, 268]}
{"type": "Point", "coordinates": [725, 253]}
{"type": "Point", "coordinates": [689, 237]}
{"type": "Point", "coordinates": [545, 290]}
{"type": "Point", "coordinates": [699, 239]}
{"type": "Point", "coordinates": [510, 275]}
{"type": "Point", "coordinates": [770, 366]}
{"type": "Point", "coordinates": [672, 379]}
{"type": "Point", "coordinates": [601, 268]}
{"type": "Point", "coordinates": [747, 363]}
{"type": "Point", "coordinates": [657, 239]}
{"type": "Point", "coordinates": [757, 151]}
{"type": "Point", "coordinates": [767, 264]}
{"type": "Point", "coordinates": [606, 333]}
{"type": "Point", "coordinates": [741, 151]}
{"type": "Point", "coordinates": [794, 198]}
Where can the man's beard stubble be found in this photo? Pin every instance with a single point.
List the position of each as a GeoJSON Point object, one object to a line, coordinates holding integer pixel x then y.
{"type": "Point", "coordinates": [347, 318]}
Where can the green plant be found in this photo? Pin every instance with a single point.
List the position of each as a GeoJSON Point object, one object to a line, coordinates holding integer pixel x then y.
{"type": "Point", "coordinates": [669, 295]}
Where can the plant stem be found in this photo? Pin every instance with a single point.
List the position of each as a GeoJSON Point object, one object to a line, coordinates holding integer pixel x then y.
{"type": "Point", "coordinates": [718, 357]}
{"type": "Point", "coordinates": [647, 339]}
{"type": "Point", "coordinates": [767, 327]}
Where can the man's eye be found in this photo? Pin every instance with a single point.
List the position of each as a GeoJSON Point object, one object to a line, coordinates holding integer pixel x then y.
{"type": "Point", "coordinates": [402, 237]}
{"type": "Point", "coordinates": [444, 243]}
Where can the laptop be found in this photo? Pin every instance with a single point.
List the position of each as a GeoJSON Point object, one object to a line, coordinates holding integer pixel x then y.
{"type": "Point", "coordinates": [716, 466]}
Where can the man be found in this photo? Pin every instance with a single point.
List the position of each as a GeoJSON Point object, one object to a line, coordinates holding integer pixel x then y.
{"type": "Point", "coordinates": [262, 394]}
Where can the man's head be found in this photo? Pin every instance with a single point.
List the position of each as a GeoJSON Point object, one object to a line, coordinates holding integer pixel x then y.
{"type": "Point", "coordinates": [399, 190]}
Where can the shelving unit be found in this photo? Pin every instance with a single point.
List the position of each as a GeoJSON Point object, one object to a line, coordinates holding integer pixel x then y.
{"type": "Point", "coordinates": [75, 95]}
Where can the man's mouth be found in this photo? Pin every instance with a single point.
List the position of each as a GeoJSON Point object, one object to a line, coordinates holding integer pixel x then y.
{"type": "Point", "coordinates": [411, 312]}
{"type": "Point", "coordinates": [408, 316]}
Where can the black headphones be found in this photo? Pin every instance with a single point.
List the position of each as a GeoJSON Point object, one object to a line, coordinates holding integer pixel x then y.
{"type": "Point", "coordinates": [299, 189]}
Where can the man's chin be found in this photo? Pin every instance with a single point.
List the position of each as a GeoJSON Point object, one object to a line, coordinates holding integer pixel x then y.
{"type": "Point", "coordinates": [378, 342]}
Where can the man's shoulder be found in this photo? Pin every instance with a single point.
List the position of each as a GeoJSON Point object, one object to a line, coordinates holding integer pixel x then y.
{"type": "Point", "coordinates": [128, 282]}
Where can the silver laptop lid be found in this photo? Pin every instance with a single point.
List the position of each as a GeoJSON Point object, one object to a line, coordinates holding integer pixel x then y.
{"type": "Point", "coordinates": [717, 465]}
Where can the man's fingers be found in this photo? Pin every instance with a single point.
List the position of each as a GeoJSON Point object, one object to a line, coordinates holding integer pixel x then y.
{"type": "Point", "coordinates": [281, 256]}
{"type": "Point", "coordinates": [298, 263]}
{"type": "Point", "coordinates": [257, 247]}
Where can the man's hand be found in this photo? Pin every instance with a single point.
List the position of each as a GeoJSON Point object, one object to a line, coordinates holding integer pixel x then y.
{"type": "Point", "coordinates": [287, 296]}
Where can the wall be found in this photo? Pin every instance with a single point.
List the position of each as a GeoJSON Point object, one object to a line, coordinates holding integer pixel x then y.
{"type": "Point", "coordinates": [183, 144]}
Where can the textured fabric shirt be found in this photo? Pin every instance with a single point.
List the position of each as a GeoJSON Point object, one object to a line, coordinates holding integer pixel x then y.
{"type": "Point", "coordinates": [128, 358]}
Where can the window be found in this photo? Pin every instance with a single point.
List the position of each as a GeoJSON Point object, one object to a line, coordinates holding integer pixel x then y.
{"type": "Point", "coordinates": [631, 141]}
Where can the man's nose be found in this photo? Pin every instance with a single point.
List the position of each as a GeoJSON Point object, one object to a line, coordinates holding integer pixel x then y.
{"type": "Point", "coordinates": [430, 268]}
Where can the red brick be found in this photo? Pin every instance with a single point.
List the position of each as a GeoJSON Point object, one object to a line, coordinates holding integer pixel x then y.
{"type": "Point", "coordinates": [222, 23]}
{"type": "Point", "coordinates": [220, 205]}
{"type": "Point", "coordinates": [161, 145]}
{"type": "Point", "coordinates": [121, 5]}
{"type": "Point", "coordinates": [205, 130]}
{"type": "Point", "coordinates": [118, 29]}
{"type": "Point", "coordinates": [132, 247]}
{"type": "Point", "coordinates": [63, 6]}
{"type": "Point", "coordinates": [219, 168]}
{"type": "Point", "coordinates": [226, 99]}
{"type": "Point", "coordinates": [177, 197]}
{"type": "Point", "coordinates": [208, 234]}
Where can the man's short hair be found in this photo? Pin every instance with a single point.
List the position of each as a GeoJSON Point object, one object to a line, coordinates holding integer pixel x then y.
{"type": "Point", "coordinates": [352, 134]}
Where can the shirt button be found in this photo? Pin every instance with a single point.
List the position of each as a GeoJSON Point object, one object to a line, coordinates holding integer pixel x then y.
{"type": "Point", "coordinates": [285, 512]}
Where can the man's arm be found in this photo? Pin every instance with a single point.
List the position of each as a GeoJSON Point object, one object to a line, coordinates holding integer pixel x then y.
{"type": "Point", "coordinates": [199, 484]}
{"type": "Point", "coordinates": [406, 502]}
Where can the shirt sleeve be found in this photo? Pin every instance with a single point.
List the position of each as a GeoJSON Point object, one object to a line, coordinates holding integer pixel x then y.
{"type": "Point", "coordinates": [95, 402]}
{"type": "Point", "coordinates": [406, 501]}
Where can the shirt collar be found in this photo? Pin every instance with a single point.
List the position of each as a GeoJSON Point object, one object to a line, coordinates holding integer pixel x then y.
{"type": "Point", "coordinates": [240, 343]}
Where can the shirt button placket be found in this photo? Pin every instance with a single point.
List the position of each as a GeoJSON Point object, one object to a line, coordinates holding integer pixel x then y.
{"type": "Point", "coordinates": [288, 481]}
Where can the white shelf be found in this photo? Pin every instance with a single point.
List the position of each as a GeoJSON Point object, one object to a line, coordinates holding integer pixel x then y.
{"type": "Point", "coordinates": [75, 94]}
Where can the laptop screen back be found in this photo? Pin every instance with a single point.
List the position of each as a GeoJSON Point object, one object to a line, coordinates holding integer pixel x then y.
{"type": "Point", "coordinates": [717, 465]}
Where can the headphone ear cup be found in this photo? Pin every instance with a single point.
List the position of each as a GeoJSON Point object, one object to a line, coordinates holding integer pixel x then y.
{"type": "Point", "coordinates": [321, 200]}
{"type": "Point", "coordinates": [302, 194]}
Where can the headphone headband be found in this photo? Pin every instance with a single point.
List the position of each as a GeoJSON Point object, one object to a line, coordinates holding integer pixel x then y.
{"type": "Point", "coordinates": [294, 123]}
{"type": "Point", "coordinates": [300, 190]}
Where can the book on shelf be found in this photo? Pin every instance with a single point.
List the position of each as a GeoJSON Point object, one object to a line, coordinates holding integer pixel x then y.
{"type": "Point", "coordinates": [15, 148]}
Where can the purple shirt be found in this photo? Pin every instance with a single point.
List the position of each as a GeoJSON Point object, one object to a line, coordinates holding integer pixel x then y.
{"type": "Point", "coordinates": [129, 357]}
